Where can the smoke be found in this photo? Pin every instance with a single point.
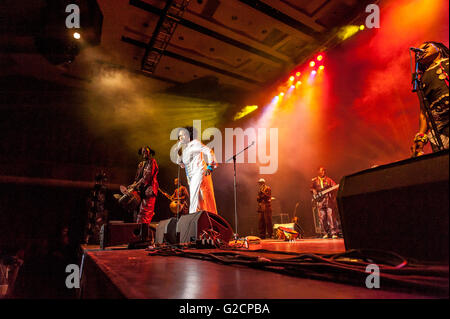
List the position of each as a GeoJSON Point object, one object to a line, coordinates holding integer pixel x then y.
{"type": "Point", "coordinates": [121, 106]}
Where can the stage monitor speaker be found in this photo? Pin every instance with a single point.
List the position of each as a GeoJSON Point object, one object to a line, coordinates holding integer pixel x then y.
{"type": "Point", "coordinates": [401, 207]}
{"type": "Point", "coordinates": [166, 231]}
{"type": "Point", "coordinates": [119, 233]}
{"type": "Point", "coordinates": [191, 226]}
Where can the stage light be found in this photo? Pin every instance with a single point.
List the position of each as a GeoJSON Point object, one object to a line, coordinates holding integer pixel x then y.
{"type": "Point", "coordinates": [312, 63]}
{"type": "Point", "coordinates": [313, 72]}
{"type": "Point", "coordinates": [76, 35]}
{"type": "Point", "coordinates": [299, 83]}
{"type": "Point", "coordinates": [319, 58]}
{"type": "Point", "coordinates": [292, 86]}
{"type": "Point", "coordinates": [281, 94]}
{"type": "Point", "coordinates": [321, 67]}
{"type": "Point", "coordinates": [362, 27]}
{"type": "Point", "coordinates": [347, 31]}
{"type": "Point", "coordinates": [298, 74]}
{"type": "Point", "coordinates": [245, 111]}
{"type": "Point", "coordinates": [292, 78]}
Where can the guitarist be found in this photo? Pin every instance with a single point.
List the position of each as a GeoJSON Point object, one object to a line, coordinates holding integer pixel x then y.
{"type": "Point", "coordinates": [181, 195]}
{"type": "Point", "coordinates": [325, 204]}
{"type": "Point", "coordinates": [146, 184]}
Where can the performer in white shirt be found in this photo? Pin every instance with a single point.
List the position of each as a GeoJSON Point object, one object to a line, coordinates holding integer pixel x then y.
{"type": "Point", "coordinates": [199, 161]}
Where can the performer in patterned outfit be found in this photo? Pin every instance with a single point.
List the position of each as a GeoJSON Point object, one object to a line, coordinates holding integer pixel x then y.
{"type": "Point", "coordinates": [434, 67]}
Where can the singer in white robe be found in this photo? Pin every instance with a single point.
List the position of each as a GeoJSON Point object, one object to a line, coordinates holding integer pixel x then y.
{"type": "Point", "coordinates": [198, 160]}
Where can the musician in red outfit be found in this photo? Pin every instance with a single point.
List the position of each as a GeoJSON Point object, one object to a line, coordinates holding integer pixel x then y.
{"type": "Point", "coordinates": [325, 204]}
{"type": "Point", "coordinates": [146, 184]}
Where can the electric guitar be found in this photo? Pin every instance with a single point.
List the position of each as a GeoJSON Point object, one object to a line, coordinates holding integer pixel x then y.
{"type": "Point", "coordinates": [319, 196]}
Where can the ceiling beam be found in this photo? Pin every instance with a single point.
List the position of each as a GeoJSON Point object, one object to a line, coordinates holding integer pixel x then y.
{"type": "Point", "coordinates": [280, 16]}
{"type": "Point", "coordinates": [192, 61]}
{"type": "Point", "coordinates": [196, 27]}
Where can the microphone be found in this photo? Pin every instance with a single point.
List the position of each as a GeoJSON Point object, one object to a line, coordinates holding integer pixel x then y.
{"type": "Point", "coordinates": [416, 49]}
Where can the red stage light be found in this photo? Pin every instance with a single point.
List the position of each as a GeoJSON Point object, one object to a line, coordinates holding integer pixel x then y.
{"type": "Point", "coordinates": [319, 58]}
{"type": "Point", "coordinates": [321, 67]}
{"type": "Point", "coordinates": [312, 63]}
{"type": "Point", "coordinates": [298, 74]}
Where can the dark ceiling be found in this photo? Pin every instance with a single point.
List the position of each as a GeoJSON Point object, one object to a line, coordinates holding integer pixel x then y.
{"type": "Point", "coordinates": [236, 46]}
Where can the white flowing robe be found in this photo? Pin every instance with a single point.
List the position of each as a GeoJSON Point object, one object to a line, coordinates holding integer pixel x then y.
{"type": "Point", "coordinates": [194, 159]}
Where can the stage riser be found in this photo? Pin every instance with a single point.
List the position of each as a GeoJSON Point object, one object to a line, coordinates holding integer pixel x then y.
{"type": "Point", "coordinates": [113, 234]}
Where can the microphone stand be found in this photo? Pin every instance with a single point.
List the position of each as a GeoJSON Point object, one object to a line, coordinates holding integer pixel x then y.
{"type": "Point", "coordinates": [178, 194]}
{"type": "Point", "coordinates": [418, 87]}
{"type": "Point", "coordinates": [236, 236]}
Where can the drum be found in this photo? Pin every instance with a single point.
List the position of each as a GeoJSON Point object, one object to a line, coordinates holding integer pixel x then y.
{"type": "Point", "coordinates": [135, 199]}
{"type": "Point", "coordinates": [130, 200]}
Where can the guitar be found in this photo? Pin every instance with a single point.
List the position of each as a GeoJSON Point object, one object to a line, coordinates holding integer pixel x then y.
{"type": "Point", "coordinates": [175, 205]}
{"type": "Point", "coordinates": [319, 196]}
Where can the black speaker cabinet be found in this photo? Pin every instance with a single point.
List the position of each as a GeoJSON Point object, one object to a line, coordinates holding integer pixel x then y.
{"type": "Point", "coordinates": [119, 233]}
{"type": "Point", "coordinates": [191, 226]}
{"type": "Point", "coordinates": [401, 207]}
{"type": "Point", "coordinates": [166, 231]}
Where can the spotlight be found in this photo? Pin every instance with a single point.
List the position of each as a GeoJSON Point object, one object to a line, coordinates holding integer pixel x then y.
{"type": "Point", "coordinates": [292, 78]}
{"type": "Point", "coordinates": [313, 72]}
{"type": "Point", "coordinates": [319, 58]}
{"type": "Point", "coordinates": [299, 83]}
{"type": "Point", "coordinates": [282, 94]}
{"type": "Point", "coordinates": [298, 74]}
{"type": "Point", "coordinates": [312, 63]}
{"type": "Point", "coordinates": [76, 35]}
{"type": "Point", "coordinates": [245, 111]}
{"type": "Point", "coordinates": [362, 27]}
{"type": "Point", "coordinates": [321, 67]}
{"type": "Point", "coordinates": [292, 86]}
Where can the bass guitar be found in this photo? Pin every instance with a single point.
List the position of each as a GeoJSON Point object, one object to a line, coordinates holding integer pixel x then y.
{"type": "Point", "coordinates": [319, 196]}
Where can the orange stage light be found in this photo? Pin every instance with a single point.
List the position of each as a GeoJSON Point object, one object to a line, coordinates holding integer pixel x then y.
{"type": "Point", "coordinates": [292, 78]}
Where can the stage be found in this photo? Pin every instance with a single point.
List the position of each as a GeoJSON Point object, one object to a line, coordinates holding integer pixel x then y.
{"type": "Point", "coordinates": [143, 274]}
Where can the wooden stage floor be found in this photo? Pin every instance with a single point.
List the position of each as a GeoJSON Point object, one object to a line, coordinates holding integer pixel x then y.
{"type": "Point", "coordinates": [122, 273]}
